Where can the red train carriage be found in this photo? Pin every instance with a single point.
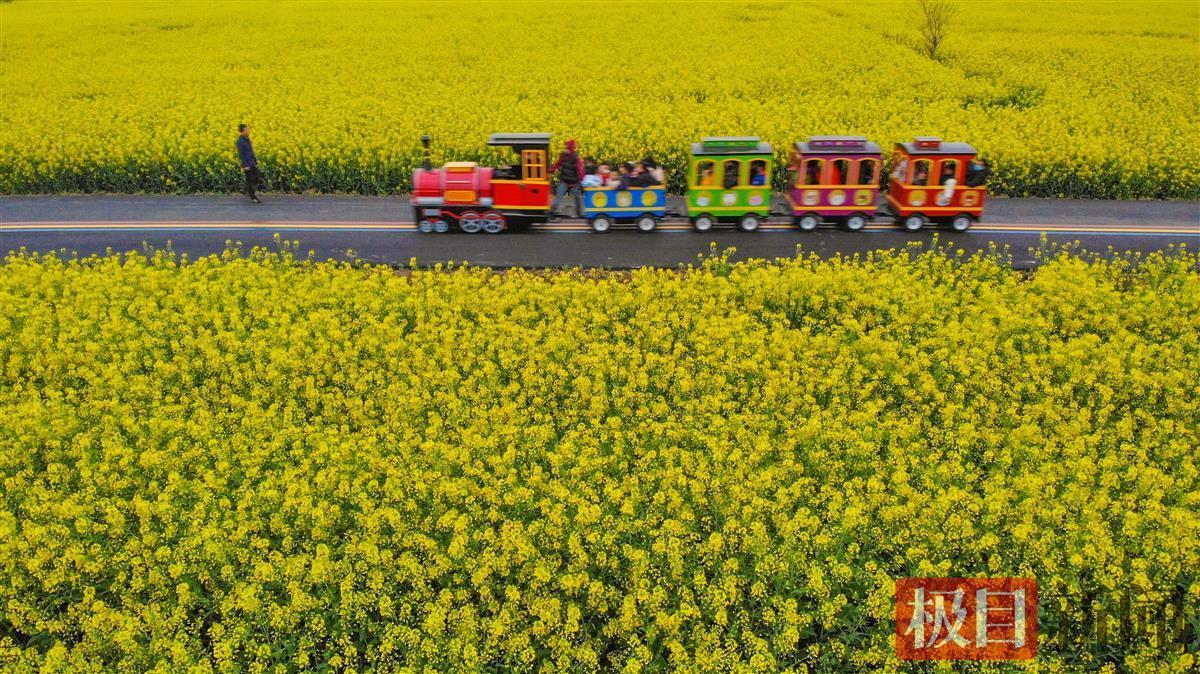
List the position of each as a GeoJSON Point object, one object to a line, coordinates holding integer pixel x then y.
{"type": "Point", "coordinates": [837, 180]}
{"type": "Point", "coordinates": [481, 198]}
{"type": "Point", "coordinates": [930, 183]}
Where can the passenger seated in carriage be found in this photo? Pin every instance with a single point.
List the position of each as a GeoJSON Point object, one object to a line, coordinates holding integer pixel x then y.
{"type": "Point", "coordinates": [978, 172]}
{"type": "Point", "coordinates": [591, 178]}
{"type": "Point", "coordinates": [947, 174]}
{"type": "Point", "coordinates": [655, 170]}
{"type": "Point", "coordinates": [813, 173]}
{"type": "Point", "coordinates": [758, 175]}
{"type": "Point", "coordinates": [731, 175]}
{"type": "Point", "coordinates": [624, 176]}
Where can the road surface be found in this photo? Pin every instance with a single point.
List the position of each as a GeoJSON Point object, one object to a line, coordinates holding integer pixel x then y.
{"type": "Point", "coordinates": [380, 229]}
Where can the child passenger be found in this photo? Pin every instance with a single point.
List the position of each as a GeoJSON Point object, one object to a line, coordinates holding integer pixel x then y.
{"type": "Point", "coordinates": [605, 173]}
{"type": "Point", "coordinates": [655, 170]}
{"type": "Point", "coordinates": [591, 178]}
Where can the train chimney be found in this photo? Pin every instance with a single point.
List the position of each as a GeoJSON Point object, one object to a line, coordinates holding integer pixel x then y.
{"type": "Point", "coordinates": [425, 142]}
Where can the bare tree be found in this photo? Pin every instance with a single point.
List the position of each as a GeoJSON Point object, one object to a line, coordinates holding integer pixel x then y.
{"type": "Point", "coordinates": [935, 17]}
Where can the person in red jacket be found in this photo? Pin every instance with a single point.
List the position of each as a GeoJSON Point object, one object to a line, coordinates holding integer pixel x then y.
{"type": "Point", "coordinates": [569, 170]}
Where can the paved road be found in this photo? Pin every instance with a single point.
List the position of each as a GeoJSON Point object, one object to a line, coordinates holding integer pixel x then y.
{"type": "Point", "coordinates": [379, 229]}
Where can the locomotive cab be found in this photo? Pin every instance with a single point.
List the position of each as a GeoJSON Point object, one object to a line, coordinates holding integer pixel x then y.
{"type": "Point", "coordinates": [729, 180]}
{"type": "Point", "coordinates": [522, 191]}
{"type": "Point", "coordinates": [930, 182]}
{"type": "Point", "coordinates": [836, 179]}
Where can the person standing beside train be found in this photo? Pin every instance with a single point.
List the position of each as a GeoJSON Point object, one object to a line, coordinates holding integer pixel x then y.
{"type": "Point", "coordinates": [569, 170]}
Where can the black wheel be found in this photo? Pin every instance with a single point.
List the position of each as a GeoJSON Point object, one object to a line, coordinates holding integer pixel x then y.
{"type": "Point", "coordinates": [493, 222]}
{"type": "Point", "coordinates": [647, 223]}
{"type": "Point", "coordinates": [749, 223]}
{"type": "Point", "coordinates": [601, 223]}
{"type": "Point", "coordinates": [913, 222]}
{"type": "Point", "coordinates": [703, 222]}
{"type": "Point", "coordinates": [961, 223]}
{"type": "Point", "coordinates": [807, 222]}
{"type": "Point", "coordinates": [856, 222]}
{"type": "Point", "coordinates": [470, 222]}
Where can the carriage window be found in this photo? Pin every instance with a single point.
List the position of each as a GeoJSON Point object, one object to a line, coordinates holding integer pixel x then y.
{"type": "Point", "coordinates": [840, 173]}
{"type": "Point", "coordinates": [758, 172]}
{"type": "Point", "coordinates": [705, 173]}
{"type": "Point", "coordinates": [921, 172]}
{"type": "Point", "coordinates": [731, 172]}
{"type": "Point", "coordinates": [949, 171]}
{"type": "Point", "coordinates": [866, 172]}
{"type": "Point", "coordinates": [812, 171]}
{"type": "Point", "coordinates": [534, 164]}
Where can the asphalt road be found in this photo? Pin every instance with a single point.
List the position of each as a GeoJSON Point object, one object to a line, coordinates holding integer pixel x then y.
{"type": "Point", "coordinates": [380, 229]}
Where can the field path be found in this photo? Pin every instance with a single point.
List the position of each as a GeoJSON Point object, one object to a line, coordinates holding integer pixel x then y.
{"type": "Point", "coordinates": [380, 229]}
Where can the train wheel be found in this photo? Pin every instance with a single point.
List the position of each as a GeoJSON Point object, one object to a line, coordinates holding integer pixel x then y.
{"type": "Point", "coordinates": [703, 222]}
{"type": "Point", "coordinates": [914, 222]}
{"type": "Point", "coordinates": [961, 223]}
{"type": "Point", "coordinates": [441, 226]}
{"type": "Point", "coordinates": [470, 222]}
{"type": "Point", "coordinates": [425, 226]}
{"type": "Point", "coordinates": [601, 223]}
{"type": "Point", "coordinates": [749, 223]}
{"type": "Point", "coordinates": [647, 223]}
{"type": "Point", "coordinates": [808, 222]}
{"type": "Point", "coordinates": [493, 222]}
{"type": "Point", "coordinates": [856, 222]}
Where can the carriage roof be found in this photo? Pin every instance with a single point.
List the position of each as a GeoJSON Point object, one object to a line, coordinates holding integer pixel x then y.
{"type": "Point", "coordinates": [927, 146]}
{"type": "Point", "coordinates": [837, 145]}
{"type": "Point", "coordinates": [731, 145]}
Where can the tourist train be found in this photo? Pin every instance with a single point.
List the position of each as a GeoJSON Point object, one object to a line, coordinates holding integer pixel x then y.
{"type": "Point", "coordinates": [832, 179]}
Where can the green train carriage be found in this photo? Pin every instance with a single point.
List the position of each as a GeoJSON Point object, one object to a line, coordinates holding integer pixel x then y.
{"type": "Point", "coordinates": [729, 181]}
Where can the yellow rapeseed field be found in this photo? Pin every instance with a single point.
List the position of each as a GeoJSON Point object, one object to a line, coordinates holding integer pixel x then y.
{"type": "Point", "coordinates": [259, 464]}
{"type": "Point", "coordinates": [1078, 99]}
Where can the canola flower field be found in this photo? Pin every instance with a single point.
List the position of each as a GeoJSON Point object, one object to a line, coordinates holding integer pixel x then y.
{"type": "Point", "coordinates": [257, 463]}
{"type": "Point", "coordinates": [1080, 99]}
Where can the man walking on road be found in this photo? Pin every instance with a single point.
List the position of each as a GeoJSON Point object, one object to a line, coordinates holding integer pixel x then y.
{"type": "Point", "coordinates": [569, 168]}
{"type": "Point", "coordinates": [254, 177]}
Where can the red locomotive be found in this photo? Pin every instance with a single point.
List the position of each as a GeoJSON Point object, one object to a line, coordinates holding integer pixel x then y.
{"type": "Point", "coordinates": [482, 198]}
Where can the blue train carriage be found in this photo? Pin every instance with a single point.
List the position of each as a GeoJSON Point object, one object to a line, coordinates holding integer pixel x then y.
{"type": "Point", "coordinates": [729, 181]}
{"type": "Point", "coordinates": [643, 206]}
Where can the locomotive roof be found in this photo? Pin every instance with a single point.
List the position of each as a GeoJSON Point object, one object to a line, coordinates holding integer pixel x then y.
{"type": "Point", "coordinates": [519, 140]}
{"type": "Point", "coordinates": [838, 145]}
{"type": "Point", "coordinates": [943, 148]}
{"type": "Point", "coordinates": [723, 145]}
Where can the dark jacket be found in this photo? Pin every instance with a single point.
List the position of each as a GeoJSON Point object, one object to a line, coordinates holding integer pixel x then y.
{"type": "Point", "coordinates": [246, 152]}
{"type": "Point", "coordinates": [976, 177]}
{"type": "Point", "coordinates": [569, 168]}
{"type": "Point", "coordinates": [642, 180]}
